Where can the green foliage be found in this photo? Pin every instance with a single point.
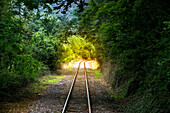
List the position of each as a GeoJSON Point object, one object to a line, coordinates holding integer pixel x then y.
{"type": "Point", "coordinates": [147, 104]}
{"type": "Point", "coordinates": [51, 79]}
{"type": "Point", "coordinates": [27, 50]}
{"type": "Point", "coordinates": [97, 73]}
{"type": "Point", "coordinates": [31, 42]}
{"type": "Point", "coordinates": [43, 83]}
{"type": "Point", "coordinates": [78, 47]}
{"type": "Point", "coordinates": [45, 48]}
{"type": "Point", "coordinates": [17, 67]}
{"type": "Point", "coordinates": [64, 5]}
{"type": "Point", "coordinates": [135, 35]}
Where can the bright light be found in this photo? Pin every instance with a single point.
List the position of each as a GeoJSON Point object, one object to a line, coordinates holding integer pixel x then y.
{"type": "Point", "coordinates": [68, 65]}
{"type": "Point", "coordinates": [73, 64]}
{"type": "Point", "coordinates": [76, 64]}
{"type": "Point", "coordinates": [92, 64]}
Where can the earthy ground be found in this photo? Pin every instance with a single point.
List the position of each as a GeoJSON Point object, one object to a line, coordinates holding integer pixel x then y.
{"type": "Point", "coordinates": [53, 99]}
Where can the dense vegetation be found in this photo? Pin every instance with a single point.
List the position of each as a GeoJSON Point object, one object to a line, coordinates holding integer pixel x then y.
{"type": "Point", "coordinates": [133, 34]}
{"type": "Point", "coordinates": [34, 42]}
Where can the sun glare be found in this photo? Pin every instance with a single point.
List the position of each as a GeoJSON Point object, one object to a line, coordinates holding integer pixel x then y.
{"type": "Point", "coordinates": [91, 64]}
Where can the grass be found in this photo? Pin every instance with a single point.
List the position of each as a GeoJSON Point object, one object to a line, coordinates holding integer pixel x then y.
{"type": "Point", "coordinates": [51, 79]}
{"type": "Point", "coordinates": [97, 73]}
{"type": "Point", "coordinates": [44, 82]}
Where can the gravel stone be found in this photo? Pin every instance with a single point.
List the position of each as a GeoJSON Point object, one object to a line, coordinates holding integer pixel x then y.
{"type": "Point", "coordinates": [52, 101]}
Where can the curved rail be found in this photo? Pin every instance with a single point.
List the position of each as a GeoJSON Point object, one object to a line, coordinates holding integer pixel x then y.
{"type": "Point", "coordinates": [68, 96]}
{"type": "Point", "coordinates": [87, 89]}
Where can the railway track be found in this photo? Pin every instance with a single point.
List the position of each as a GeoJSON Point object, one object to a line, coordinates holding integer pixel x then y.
{"type": "Point", "coordinates": [71, 99]}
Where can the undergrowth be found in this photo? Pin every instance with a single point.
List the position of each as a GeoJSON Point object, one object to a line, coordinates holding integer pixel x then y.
{"type": "Point", "coordinates": [44, 82]}
{"type": "Point", "coordinates": [97, 73]}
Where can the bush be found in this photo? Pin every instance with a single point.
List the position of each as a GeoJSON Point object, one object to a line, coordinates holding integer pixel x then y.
{"type": "Point", "coordinates": [135, 35]}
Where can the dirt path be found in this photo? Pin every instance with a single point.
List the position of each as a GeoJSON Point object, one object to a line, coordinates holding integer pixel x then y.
{"type": "Point", "coordinates": [53, 99]}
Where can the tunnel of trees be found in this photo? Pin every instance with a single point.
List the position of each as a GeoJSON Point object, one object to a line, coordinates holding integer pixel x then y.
{"type": "Point", "coordinates": [36, 36]}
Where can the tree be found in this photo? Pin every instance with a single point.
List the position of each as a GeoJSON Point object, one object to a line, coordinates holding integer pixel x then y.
{"type": "Point", "coordinates": [62, 5]}
{"type": "Point", "coordinates": [79, 47]}
{"type": "Point", "coordinates": [132, 36]}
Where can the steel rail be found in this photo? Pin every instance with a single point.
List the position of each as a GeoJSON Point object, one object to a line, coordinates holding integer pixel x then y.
{"type": "Point", "coordinates": [87, 89]}
{"type": "Point", "coordinates": [68, 96]}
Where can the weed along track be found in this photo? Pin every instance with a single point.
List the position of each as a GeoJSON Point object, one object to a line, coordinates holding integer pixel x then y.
{"type": "Point", "coordinates": [78, 98]}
